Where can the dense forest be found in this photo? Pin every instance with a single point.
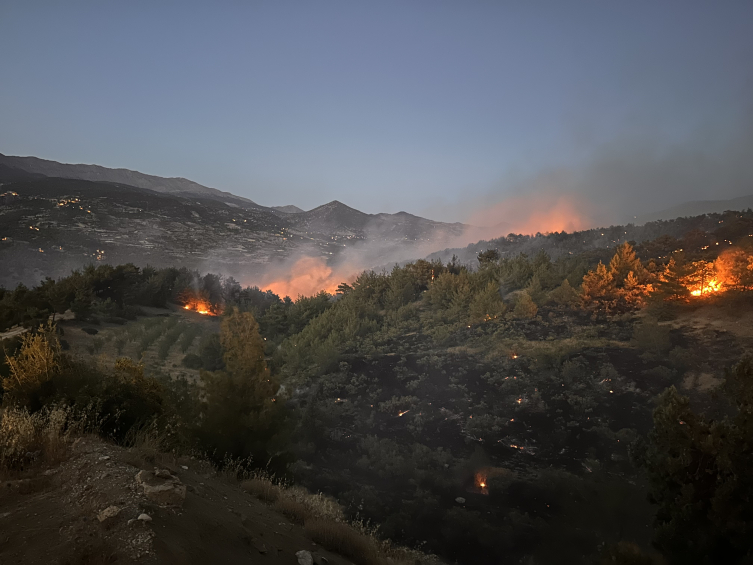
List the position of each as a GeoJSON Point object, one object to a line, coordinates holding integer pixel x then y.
{"type": "Point", "coordinates": [568, 409]}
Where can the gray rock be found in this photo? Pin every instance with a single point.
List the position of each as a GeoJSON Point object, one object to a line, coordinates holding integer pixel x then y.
{"type": "Point", "coordinates": [304, 557]}
{"type": "Point", "coordinates": [162, 487]}
{"type": "Point", "coordinates": [460, 500]}
{"type": "Point", "coordinates": [108, 514]}
{"type": "Point", "coordinates": [144, 517]}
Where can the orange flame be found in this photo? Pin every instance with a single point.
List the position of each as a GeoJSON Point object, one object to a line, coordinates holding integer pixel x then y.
{"type": "Point", "coordinates": [202, 307]}
{"type": "Point", "coordinates": [711, 286]}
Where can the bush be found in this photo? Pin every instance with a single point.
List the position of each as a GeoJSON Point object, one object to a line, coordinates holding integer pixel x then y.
{"type": "Point", "coordinates": [27, 438]}
{"type": "Point", "coordinates": [651, 337]}
{"type": "Point", "coordinates": [35, 364]}
{"type": "Point", "coordinates": [192, 361]}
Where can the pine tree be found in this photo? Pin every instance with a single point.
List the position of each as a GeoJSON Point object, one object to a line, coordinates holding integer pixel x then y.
{"type": "Point", "coordinates": [241, 414]}
{"type": "Point", "coordinates": [598, 289]}
{"type": "Point", "coordinates": [623, 262]}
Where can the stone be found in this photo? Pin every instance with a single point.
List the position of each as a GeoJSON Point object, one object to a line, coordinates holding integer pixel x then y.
{"type": "Point", "coordinates": [144, 517]}
{"type": "Point", "coordinates": [162, 487]}
{"type": "Point", "coordinates": [108, 514]}
{"type": "Point", "coordinates": [304, 557]}
{"type": "Point", "coordinates": [460, 500]}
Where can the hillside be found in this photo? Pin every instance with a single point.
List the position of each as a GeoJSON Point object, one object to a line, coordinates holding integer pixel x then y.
{"type": "Point", "coordinates": [526, 410]}
{"type": "Point", "coordinates": [96, 173]}
{"type": "Point", "coordinates": [731, 226]}
{"type": "Point", "coordinates": [91, 507]}
{"type": "Point", "coordinates": [54, 225]}
{"type": "Point", "coordinates": [699, 207]}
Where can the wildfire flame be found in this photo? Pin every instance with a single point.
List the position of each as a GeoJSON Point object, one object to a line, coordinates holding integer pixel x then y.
{"type": "Point", "coordinates": [201, 306]}
{"type": "Point", "coordinates": [711, 286]}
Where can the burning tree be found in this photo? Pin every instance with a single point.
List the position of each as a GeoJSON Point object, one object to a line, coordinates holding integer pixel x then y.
{"type": "Point", "coordinates": [735, 268]}
{"type": "Point", "coordinates": [701, 278]}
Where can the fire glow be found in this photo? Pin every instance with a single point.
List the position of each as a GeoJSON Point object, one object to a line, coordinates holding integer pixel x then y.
{"type": "Point", "coordinates": [711, 286]}
{"type": "Point", "coordinates": [201, 306]}
{"type": "Point", "coordinates": [481, 482]}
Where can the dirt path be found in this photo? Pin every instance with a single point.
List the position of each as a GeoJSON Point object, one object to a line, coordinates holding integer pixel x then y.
{"type": "Point", "coordinates": [56, 516]}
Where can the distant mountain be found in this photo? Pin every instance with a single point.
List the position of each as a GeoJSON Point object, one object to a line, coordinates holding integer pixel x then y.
{"type": "Point", "coordinates": [697, 208]}
{"type": "Point", "coordinates": [332, 219]}
{"type": "Point", "coordinates": [12, 174]}
{"type": "Point", "coordinates": [175, 185]}
{"type": "Point", "coordinates": [56, 224]}
{"type": "Point", "coordinates": [289, 209]}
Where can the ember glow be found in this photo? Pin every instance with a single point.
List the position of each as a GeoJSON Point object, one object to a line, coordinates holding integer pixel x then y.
{"type": "Point", "coordinates": [481, 481]}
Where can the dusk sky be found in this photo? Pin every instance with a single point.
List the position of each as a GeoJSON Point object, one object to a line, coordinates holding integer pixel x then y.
{"type": "Point", "coordinates": [436, 108]}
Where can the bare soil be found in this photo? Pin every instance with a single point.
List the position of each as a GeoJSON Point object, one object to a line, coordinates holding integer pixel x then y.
{"type": "Point", "coordinates": [51, 516]}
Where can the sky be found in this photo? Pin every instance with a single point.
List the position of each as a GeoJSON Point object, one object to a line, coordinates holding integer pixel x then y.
{"type": "Point", "coordinates": [443, 109]}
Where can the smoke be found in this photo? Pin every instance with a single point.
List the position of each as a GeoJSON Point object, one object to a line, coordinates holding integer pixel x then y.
{"type": "Point", "coordinates": [303, 276]}
{"type": "Point", "coordinates": [307, 271]}
{"type": "Point", "coordinates": [545, 211]}
{"type": "Point", "coordinates": [620, 181]}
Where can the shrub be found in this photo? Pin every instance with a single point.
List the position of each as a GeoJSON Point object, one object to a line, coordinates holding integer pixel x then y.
{"type": "Point", "coordinates": [651, 337]}
{"type": "Point", "coordinates": [28, 438]}
{"type": "Point", "coordinates": [192, 361]}
{"type": "Point", "coordinates": [35, 364]}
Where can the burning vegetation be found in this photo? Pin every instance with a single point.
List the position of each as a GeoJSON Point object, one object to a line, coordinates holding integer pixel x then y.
{"type": "Point", "coordinates": [200, 303]}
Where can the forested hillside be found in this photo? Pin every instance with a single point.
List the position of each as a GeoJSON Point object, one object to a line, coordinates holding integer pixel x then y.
{"type": "Point", "coordinates": [525, 408]}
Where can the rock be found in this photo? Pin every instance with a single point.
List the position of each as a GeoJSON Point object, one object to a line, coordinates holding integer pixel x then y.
{"type": "Point", "coordinates": [108, 514]}
{"type": "Point", "coordinates": [184, 467]}
{"type": "Point", "coordinates": [163, 474]}
{"type": "Point", "coordinates": [304, 557]}
{"type": "Point", "coordinates": [144, 517]}
{"type": "Point", "coordinates": [460, 500]}
{"type": "Point", "coordinates": [260, 547]}
{"type": "Point", "coordinates": [162, 487]}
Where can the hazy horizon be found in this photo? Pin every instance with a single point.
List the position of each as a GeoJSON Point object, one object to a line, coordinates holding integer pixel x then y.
{"type": "Point", "coordinates": [452, 112]}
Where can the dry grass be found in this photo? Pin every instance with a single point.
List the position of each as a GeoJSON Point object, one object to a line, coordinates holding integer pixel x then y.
{"type": "Point", "coordinates": [295, 511]}
{"type": "Point", "coordinates": [147, 446]}
{"type": "Point", "coordinates": [262, 489]}
{"type": "Point", "coordinates": [326, 524]}
{"type": "Point", "coordinates": [344, 539]}
{"type": "Point", "coordinates": [30, 439]}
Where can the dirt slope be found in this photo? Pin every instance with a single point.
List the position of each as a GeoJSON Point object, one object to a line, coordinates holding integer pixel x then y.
{"type": "Point", "coordinates": [60, 516]}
